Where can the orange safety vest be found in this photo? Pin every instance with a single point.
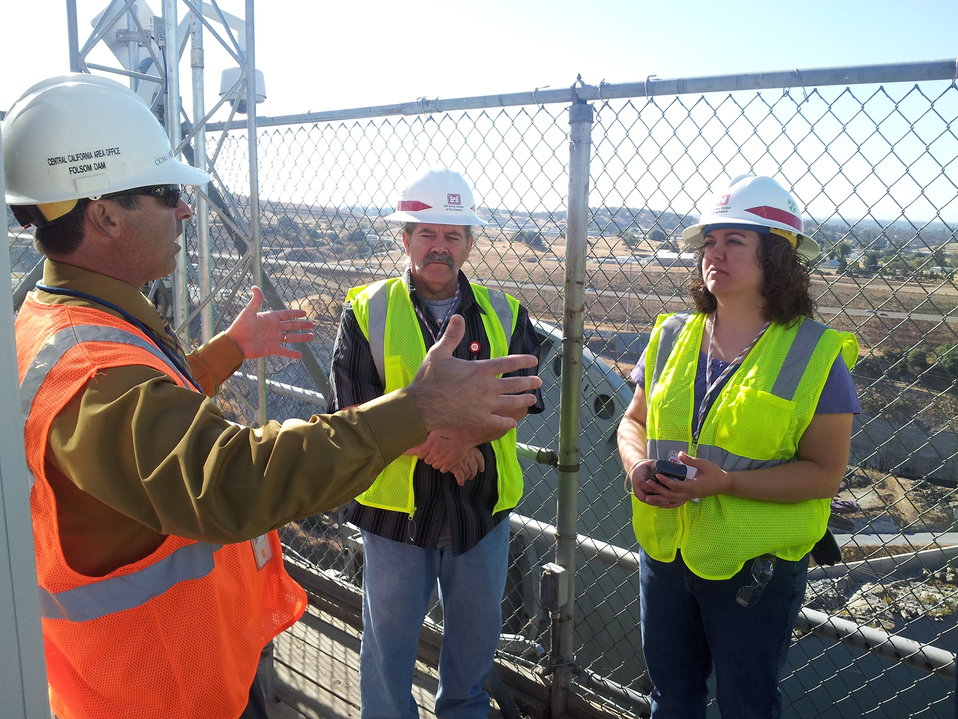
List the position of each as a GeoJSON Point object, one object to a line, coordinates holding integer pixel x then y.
{"type": "Point", "coordinates": [176, 634]}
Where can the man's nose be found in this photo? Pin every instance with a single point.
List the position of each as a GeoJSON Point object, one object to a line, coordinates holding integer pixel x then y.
{"type": "Point", "coordinates": [183, 211]}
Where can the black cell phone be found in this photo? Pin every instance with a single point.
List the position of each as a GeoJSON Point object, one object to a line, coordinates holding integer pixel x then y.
{"type": "Point", "coordinates": [673, 470]}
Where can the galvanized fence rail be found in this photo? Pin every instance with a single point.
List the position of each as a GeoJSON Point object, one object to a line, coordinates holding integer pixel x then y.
{"type": "Point", "coordinates": [587, 190]}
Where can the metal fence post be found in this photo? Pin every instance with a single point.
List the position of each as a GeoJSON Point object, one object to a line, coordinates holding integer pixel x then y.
{"type": "Point", "coordinates": [202, 218]}
{"type": "Point", "coordinates": [255, 213]}
{"type": "Point", "coordinates": [577, 224]}
{"type": "Point", "coordinates": [171, 119]}
{"type": "Point", "coordinates": [23, 678]}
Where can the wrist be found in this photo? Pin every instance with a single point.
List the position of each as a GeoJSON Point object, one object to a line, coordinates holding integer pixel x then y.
{"type": "Point", "coordinates": [728, 483]}
{"type": "Point", "coordinates": [629, 490]}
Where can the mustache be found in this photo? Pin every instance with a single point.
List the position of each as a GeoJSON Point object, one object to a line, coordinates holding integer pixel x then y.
{"type": "Point", "coordinates": [439, 257]}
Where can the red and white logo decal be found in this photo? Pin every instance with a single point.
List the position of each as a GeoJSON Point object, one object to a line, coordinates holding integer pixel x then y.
{"type": "Point", "coordinates": [723, 200]}
{"type": "Point", "coordinates": [454, 198]}
{"type": "Point", "coordinates": [474, 347]}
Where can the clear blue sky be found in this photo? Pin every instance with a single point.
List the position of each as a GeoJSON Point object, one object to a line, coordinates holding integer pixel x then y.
{"type": "Point", "coordinates": [322, 55]}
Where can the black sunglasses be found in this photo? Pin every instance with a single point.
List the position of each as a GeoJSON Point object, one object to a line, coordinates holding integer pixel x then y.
{"type": "Point", "coordinates": [170, 194]}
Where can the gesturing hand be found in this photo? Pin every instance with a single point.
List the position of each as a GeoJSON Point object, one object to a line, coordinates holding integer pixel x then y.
{"type": "Point", "coordinates": [260, 334]}
{"type": "Point", "coordinates": [470, 395]}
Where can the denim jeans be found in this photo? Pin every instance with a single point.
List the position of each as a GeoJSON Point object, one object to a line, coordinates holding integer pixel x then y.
{"type": "Point", "coordinates": [690, 624]}
{"type": "Point", "coordinates": [398, 581]}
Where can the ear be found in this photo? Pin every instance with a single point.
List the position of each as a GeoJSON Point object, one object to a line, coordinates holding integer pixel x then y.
{"type": "Point", "coordinates": [105, 218]}
{"type": "Point", "coordinates": [405, 241]}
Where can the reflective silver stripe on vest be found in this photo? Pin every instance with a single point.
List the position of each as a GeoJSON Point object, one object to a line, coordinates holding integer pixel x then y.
{"type": "Point", "coordinates": [723, 458]}
{"type": "Point", "coordinates": [500, 305]}
{"type": "Point", "coordinates": [797, 359]}
{"type": "Point", "coordinates": [376, 309]}
{"type": "Point", "coordinates": [668, 333]}
{"type": "Point", "coordinates": [66, 339]}
{"type": "Point", "coordinates": [62, 342]}
{"type": "Point", "coordinates": [93, 601]}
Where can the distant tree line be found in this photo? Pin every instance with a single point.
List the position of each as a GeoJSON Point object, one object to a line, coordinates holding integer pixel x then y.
{"type": "Point", "coordinates": [935, 368]}
{"type": "Point", "coordinates": [342, 243]}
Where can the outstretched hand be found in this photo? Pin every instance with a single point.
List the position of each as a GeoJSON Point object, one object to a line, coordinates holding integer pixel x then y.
{"type": "Point", "coordinates": [470, 395]}
{"type": "Point", "coordinates": [261, 334]}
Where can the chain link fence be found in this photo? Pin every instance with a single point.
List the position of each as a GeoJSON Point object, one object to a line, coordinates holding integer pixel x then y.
{"type": "Point", "coordinates": [875, 164]}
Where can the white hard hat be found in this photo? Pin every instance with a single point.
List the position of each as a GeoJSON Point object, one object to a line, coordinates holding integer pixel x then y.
{"type": "Point", "coordinates": [437, 197]}
{"type": "Point", "coordinates": [81, 135]}
{"type": "Point", "coordinates": [759, 202]}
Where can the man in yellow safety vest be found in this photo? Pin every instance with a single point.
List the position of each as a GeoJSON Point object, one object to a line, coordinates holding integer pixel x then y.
{"type": "Point", "coordinates": [439, 512]}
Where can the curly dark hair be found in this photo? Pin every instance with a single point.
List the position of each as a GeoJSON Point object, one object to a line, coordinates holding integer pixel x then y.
{"type": "Point", "coordinates": [785, 283]}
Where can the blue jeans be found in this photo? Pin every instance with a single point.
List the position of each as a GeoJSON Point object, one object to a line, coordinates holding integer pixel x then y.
{"type": "Point", "coordinates": [690, 624]}
{"type": "Point", "coordinates": [398, 580]}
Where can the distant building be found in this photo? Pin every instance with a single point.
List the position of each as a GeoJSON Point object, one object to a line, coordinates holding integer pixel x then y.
{"type": "Point", "coordinates": [669, 258]}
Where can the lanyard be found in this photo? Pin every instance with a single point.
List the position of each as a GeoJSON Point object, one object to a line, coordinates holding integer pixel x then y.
{"type": "Point", "coordinates": [711, 386]}
{"type": "Point", "coordinates": [445, 320]}
{"type": "Point", "coordinates": [162, 346]}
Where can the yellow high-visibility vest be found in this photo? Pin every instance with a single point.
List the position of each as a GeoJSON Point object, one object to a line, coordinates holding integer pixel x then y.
{"type": "Point", "coordinates": [756, 421]}
{"type": "Point", "coordinates": [387, 318]}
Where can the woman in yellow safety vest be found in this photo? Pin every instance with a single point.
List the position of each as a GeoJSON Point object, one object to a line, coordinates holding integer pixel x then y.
{"type": "Point", "coordinates": [735, 440]}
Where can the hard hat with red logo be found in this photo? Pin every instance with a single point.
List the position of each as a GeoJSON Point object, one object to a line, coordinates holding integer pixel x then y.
{"type": "Point", "coordinates": [82, 136]}
{"type": "Point", "coordinates": [759, 203]}
{"type": "Point", "coordinates": [437, 197]}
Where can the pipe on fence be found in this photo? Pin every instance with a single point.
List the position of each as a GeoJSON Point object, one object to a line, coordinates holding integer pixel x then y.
{"type": "Point", "coordinates": [562, 651]}
{"type": "Point", "coordinates": [621, 694]}
{"type": "Point", "coordinates": [255, 237]}
{"type": "Point", "coordinates": [172, 106]}
{"type": "Point", "coordinates": [812, 77]}
{"type": "Point", "coordinates": [876, 641]}
{"type": "Point", "coordinates": [868, 639]}
{"type": "Point", "coordinates": [287, 390]}
{"type": "Point", "coordinates": [540, 455]}
{"type": "Point", "coordinates": [201, 215]}
{"type": "Point", "coordinates": [608, 554]}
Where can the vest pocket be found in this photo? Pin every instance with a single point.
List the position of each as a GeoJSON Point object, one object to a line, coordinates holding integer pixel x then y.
{"type": "Point", "coordinates": [756, 424]}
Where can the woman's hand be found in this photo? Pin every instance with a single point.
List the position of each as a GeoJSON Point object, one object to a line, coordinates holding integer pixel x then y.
{"type": "Point", "coordinates": [638, 477]}
{"type": "Point", "coordinates": [652, 489]}
{"type": "Point", "coordinates": [660, 490]}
